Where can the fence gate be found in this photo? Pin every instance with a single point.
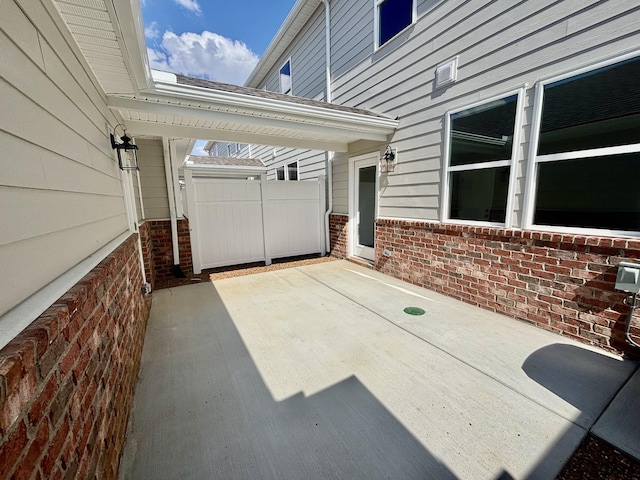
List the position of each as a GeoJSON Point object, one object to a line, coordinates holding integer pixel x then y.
{"type": "Point", "coordinates": [235, 221]}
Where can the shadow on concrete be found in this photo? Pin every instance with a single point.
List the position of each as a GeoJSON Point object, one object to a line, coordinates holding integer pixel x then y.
{"type": "Point", "coordinates": [571, 373]}
{"type": "Point", "coordinates": [202, 411]}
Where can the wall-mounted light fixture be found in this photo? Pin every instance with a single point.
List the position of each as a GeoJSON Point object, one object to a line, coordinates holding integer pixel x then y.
{"type": "Point", "coordinates": [127, 151]}
{"type": "Point", "coordinates": [390, 158]}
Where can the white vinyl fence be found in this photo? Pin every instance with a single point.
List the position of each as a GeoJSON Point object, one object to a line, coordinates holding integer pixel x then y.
{"type": "Point", "coordinates": [235, 221]}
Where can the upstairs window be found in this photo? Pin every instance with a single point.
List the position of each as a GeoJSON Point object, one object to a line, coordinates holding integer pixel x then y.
{"type": "Point", "coordinates": [393, 16]}
{"type": "Point", "coordinates": [481, 151]}
{"type": "Point", "coordinates": [292, 171]}
{"type": "Point", "coordinates": [586, 168]}
{"type": "Point", "coordinates": [285, 78]}
{"type": "Point", "coordinates": [288, 172]}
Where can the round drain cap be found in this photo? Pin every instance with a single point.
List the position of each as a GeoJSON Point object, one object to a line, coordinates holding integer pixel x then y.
{"type": "Point", "coordinates": [414, 311]}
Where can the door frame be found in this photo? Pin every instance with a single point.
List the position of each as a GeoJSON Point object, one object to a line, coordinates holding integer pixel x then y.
{"type": "Point", "coordinates": [366, 160]}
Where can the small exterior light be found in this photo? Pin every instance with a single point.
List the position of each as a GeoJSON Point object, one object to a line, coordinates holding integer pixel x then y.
{"type": "Point", "coordinates": [127, 151]}
{"type": "Point", "coordinates": [390, 158]}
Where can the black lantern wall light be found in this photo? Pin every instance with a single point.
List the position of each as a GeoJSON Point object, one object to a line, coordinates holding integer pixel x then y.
{"type": "Point", "coordinates": [127, 151]}
{"type": "Point", "coordinates": [390, 158]}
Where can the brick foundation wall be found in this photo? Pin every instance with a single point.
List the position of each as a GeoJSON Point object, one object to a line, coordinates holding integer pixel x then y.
{"type": "Point", "coordinates": [67, 381]}
{"type": "Point", "coordinates": [563, 283]}
{"type": "Point", "coordinates": [161, 260]}
{"type": "Point", "coordinates": [338, 234]}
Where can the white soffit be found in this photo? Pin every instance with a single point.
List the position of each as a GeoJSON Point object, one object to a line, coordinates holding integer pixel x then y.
{"type": "Point", "coordinates": [191, 112]}
{"type": "Point", "coordinates": [105, 42]}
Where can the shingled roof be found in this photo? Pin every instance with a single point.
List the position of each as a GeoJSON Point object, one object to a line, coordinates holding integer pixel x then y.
{"type": "Point", "coordinates": [225, 161]}
{"type": "Point", "coordinates": [255, 92]}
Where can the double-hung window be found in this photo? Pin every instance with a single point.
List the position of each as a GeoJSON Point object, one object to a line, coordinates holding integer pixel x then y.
{"type": "Point", "coordinates": [285, 78]}
{"type": "Point", "coordinates": [482, 141]}
{"type": "Point", "coordinates": [288, 172]}
{"type": "Point", "coordinates": [585, 172]}
{"type": "Point", "coordinates": [391, 17]}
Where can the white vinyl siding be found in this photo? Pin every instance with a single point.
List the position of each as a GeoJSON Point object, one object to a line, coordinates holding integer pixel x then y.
{"type": "Point", "coordinates": [501, 46]}
{"type": "Point", "coordinates": [307, 56]}
{"type": "Point", "coordinates": [60, 190]}
{"type": "Point", "coordinates": [153, 179]}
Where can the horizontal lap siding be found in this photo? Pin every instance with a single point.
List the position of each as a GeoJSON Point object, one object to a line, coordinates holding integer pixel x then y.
{"type": "Point", "coordinates": [153, 179]}
{"type": "Point", "coordinates": [502, 46]}
{"type": "Point", "coordinates": [60, 191]}
{"type": "Point", "coordinates": [307, 52]}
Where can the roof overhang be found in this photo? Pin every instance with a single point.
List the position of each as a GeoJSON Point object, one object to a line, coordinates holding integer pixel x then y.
{"type": "Point", "coordinates": [110, 36]}
{"type": "Point", "coordinates": [176, 110]}
{"type": "Point", "coordinates": [223, 170]}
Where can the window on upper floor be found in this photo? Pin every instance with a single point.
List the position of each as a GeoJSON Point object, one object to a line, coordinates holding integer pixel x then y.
{"type": "Point", "coordinates": [285, 78]}
{"type": "Point", "coordinates": [288, 172]}
{"type": "Point", "coordinates": [292, 171]}
{"type": "Point", "coordinates": [391, 17]}
{"type": "Point", "coordinates": [480, 159]}
{"type": "Point", "coordinates": [586, 150]}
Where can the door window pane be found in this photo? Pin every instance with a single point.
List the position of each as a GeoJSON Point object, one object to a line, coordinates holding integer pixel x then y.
{"type": "Point", "coordinates": [367, 205]}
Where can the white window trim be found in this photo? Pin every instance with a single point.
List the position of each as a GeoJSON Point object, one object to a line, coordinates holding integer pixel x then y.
{"type": "Point", "coordinates": [374, 157]}
{"type": "Point", "coordinates": [290, 77]}
{"type": "Point", "coordinates": [376, 23]}
{"type": "Point", "coordinates": [286, 170]}
{"type": "Point", "coordinates": [535, 159]}
{"type": "Point", "coordinates": [285, 167]}
{"type": "Point", "coordinates": [512, 163]}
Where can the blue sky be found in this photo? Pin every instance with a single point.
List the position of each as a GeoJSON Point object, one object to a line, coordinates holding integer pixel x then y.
{"type": "Point", "coordinates": [214, 39]}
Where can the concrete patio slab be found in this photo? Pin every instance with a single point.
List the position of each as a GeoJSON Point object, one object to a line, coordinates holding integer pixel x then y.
{"type": "Point", "coordinates": [317, 373]}
{"type": "Point", "coordinates": [620, 423]}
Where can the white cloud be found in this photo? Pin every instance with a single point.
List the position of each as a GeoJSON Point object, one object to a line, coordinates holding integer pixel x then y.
{"type": "Point", "coordinates": [191, 5]}
{"type": "Point", "coordinates": [151, 31]}
{"type": "Point", "coordinates": [206, 55]}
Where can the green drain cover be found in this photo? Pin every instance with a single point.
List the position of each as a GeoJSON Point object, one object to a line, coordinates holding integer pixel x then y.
{"type": "Point", "coordinates": [414, 311]}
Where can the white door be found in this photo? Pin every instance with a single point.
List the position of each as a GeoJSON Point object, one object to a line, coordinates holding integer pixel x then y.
{"type": "Point", "coordinates": [364, 206]}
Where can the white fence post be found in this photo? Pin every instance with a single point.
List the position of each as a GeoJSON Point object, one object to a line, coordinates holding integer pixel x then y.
{"type": "Point", "coordinates": [265, 216]}
{"type": "Point", "coordinates": [193, 221]}
{"type": "Point", "coordinates": [322, 205]}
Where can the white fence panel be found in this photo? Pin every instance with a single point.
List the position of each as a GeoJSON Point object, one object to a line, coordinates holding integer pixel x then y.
{"type": "Point", "coordinates": [294, 218]}
{"type": "Point", "coordinates": [229, 221]}
{"type": "Point", "coordinates": [235, 221]}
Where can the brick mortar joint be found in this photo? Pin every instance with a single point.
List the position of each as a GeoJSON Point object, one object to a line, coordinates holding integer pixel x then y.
{"type": "Point", "coordinates": [501, 234]}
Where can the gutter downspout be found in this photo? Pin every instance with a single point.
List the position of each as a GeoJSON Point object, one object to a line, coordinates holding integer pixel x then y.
{"type": "Point", "coordinates": [172, 208]}
{"type": "Point", "coordinates": [328, 155]}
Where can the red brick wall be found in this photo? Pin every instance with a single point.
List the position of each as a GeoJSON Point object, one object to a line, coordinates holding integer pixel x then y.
{"type": "Point", "coordinates": [560, 282]}
{"type": "Point", "coordinates": [162, 249]}
{"type": "Point", "coordinates": [67, 381]}
{"type": "Point", "coordinates": [338, 233]}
